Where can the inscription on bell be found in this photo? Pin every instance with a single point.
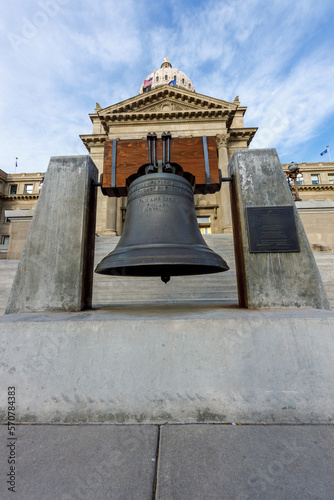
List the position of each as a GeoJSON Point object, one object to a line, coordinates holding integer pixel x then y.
{"type": "Point", "coordinates": [157, 207]}
{"type": "Point", "coordinates": [163, 187]}
{"type": "Point", "coordinates": [272, 229]}
{"type": "Point", "coordinates": [155, 199]}
{"type": "Point", "coordinates": [155, 203]}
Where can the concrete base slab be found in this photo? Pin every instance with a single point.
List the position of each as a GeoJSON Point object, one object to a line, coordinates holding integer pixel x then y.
{"type": "Point", "coordinates": [74, 462]}
{"type": "Point", "coordinates": [170, 364]}
{"type": "Point", "coordinates": [246, 462]}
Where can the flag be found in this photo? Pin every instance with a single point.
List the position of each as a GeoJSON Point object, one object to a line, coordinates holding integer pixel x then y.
{"type": "Point", "coordinates": [172, 82]}
{"type": "Point", "coordinates": [148, 82]}
{"type": "Point", "coordinates": [324, 152]}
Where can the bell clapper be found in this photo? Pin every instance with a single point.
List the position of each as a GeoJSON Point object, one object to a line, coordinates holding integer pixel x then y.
{"type": "Point", "coordinates": [165, 279]}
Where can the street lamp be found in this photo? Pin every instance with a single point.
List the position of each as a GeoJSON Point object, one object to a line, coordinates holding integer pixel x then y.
{"type": "Point", "coordinates": [294, 175]}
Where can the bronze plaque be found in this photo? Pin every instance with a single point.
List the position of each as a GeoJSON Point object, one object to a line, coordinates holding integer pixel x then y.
{"type": "Point", "coordinates": [272, 229]}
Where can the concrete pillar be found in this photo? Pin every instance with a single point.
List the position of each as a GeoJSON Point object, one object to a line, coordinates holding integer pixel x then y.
{"type": "Point", "coordinates": [225, 203]}
{"type": "Point", "coordinates": [55, 271]}
{"type": "Point", "coordinates": [273, 270]}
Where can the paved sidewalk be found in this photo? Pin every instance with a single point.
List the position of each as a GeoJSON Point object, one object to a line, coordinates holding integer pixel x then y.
{"type": "Point", "coordinates": [169, 462]}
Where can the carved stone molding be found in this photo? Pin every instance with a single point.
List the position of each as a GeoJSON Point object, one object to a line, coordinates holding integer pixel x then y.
{"type": "Point", "coordinates": [20, 196]}
{"type": "Point", "coordinates": [93, 140]}
{"type": "Point", "coordinates": [158, 115]}
{"type": "Point", "coordinates": [317, 187]}
{"type": "Point", "coordinates": [167, 106]}
{"type": "Point", "coordinates": [222, 140]}
{"type": "Point", "coordinates": [242, 134]}
{"type": "Point", "coordinates": [186, 99]}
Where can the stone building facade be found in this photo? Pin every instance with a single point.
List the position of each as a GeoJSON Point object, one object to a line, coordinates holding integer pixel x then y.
{"type": "Point", "coordinates": [18, 197]}
{"type": "Point", "coordinates": [167, 101]}
{"type": "Point", "coordinates": [316, 207]}
{"type": "Point", "coordinates": [318, 181]}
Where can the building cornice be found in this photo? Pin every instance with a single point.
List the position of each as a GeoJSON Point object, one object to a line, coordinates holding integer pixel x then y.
{"type": "Point", "coordinates": [165, 116]}
{"type": "Point", "coordinates": [23, 177]}
{"type": "Point", "coordinates": [316, 187]}
{"type": "Point", "coordinates": [312, 166]}
{"type": "Point", "coordinates": [234, 135]}
{"type": "Point", "coordinates": [177, 94]}
{"type": "Point", "coordinates": [90, 140]}
{"type": "Point", "coordinates": [237, 134]}
{"type": "Point", "coordinates": [21, 196]}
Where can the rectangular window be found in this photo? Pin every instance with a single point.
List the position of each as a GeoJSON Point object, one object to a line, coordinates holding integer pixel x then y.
{"type": "Point", "coordinates": [28, 188]}
{"type": "Point", "coordinates": [331, 178]}
{"type": "Point", "coordinates": [315, 179]}
{"type": "Point", "coordinates": [204, 225]}
{"type": "Point", "coordinates": [5, 239]}
{"type": "Point", "coordinates": [13, 189]}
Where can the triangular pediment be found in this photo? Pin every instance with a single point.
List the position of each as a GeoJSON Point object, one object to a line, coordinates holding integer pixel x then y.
{"type": "Point", "coordinates": [167, 99]}
{"type": "Point", "coordinates": [168, 104]}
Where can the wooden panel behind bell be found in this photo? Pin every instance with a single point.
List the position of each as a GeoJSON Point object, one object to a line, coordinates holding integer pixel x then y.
{"type": "Point", "coordinates": [187, 152]}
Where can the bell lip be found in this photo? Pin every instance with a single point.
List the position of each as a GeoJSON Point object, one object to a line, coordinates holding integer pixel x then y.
{"type": "Point", "coordinates": [155, 270]}
{"type": "Point", "coordinates": [193, 256]}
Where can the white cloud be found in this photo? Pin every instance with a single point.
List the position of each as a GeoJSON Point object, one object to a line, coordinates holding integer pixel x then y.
{"type": "Point", "coordinates": [268, 53]}
{"type": "Point", "coordinates": [294, 112]}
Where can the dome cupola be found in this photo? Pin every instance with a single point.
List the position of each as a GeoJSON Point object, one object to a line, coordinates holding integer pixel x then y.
{"type": "Point", "coordinates": [166, 75]}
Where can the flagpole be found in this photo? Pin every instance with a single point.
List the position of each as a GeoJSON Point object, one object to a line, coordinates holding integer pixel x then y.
{"type": "Point", "coordinates": [329, 153]}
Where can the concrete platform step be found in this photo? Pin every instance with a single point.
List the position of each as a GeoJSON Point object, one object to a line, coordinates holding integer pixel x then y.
{"type": "Point", "coordinates": [214, 287]}
{"type": "Point", "coordinates": [161, 287]}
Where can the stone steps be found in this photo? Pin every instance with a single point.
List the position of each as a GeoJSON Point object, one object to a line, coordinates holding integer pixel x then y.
{"type": "Point", "coordinates": [221, 287]}
{"type": "Point", "coordinates": [209, 288]}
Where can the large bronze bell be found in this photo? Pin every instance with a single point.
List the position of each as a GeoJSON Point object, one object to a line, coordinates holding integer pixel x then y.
{"type": "Point", "coordinates": [161, 235]}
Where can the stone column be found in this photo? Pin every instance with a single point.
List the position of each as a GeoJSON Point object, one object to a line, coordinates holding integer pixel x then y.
{"type": "Point", "coordinates": [224, 194]}
{"type": "Point", "coordinates": [121, 203]}
{"type": "Point", "coordinates": [55, 272]}
{"type": "Point", "coordinates": [111, 217]}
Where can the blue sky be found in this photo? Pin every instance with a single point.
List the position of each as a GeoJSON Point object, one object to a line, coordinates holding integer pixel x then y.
{"type": "Point", "coordinates": [59, 57]}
